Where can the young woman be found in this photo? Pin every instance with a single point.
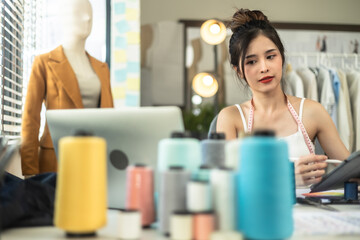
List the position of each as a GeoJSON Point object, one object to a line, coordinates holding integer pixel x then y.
{"type": "Point", "coordinates": [257, 56]}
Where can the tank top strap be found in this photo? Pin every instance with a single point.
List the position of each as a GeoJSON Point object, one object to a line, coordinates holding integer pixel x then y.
{"type": "Point", "coordinates": [301, 125]}
{"type": "Point", "coordinates": [242, 117]}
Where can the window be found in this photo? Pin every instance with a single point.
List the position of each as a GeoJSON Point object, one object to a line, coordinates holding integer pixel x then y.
{"type": "Point", "coordinates": [11, 67]}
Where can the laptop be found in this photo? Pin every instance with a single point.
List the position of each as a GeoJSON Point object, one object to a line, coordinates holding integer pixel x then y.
{"type": "Point", "coordinates": [132, 136]}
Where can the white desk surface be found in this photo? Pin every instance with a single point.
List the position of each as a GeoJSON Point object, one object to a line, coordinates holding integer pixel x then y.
{"type": "Point", "coordinates": [109, 232]}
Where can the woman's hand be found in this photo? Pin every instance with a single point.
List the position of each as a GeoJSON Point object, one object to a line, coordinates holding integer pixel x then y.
{"type": "Point", "coordinates": [309, 169]}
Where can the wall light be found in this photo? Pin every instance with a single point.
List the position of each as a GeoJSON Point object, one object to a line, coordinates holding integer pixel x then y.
{"type": "Point", "coordinates": [205, 84]}
{"type": "Point", "coordinates": [213, 32]}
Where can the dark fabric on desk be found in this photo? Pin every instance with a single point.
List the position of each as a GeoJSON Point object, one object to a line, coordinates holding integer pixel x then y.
{"type": "Point", "coordinates": [28, 202]}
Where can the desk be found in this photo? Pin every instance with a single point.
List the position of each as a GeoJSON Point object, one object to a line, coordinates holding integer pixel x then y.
{"type": "Point", "coordinates": [109, 232]}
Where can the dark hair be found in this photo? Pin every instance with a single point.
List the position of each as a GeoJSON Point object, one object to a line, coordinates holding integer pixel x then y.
{"type": "Point", "coordinates": [247, 25]}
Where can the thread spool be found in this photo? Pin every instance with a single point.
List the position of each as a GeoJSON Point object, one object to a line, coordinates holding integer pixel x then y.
{"type": "Point", "coordinates": [203, 173]}
{"type": "Point", "coordinates": [351, 191]}
{"type": "Point", "coordinates": [172, 195]}
{"type": "Point", "coordinates": [179, 150]}
{"type": "Point", "coordinates": [223, 185]}
{"type": "Point", "coordinates": [213, 150]}
{"type": "Point", "coordinates": [204, 225]}
{"type": "Point", "coordinates": [140, 192]}
{"type": "Point", "coordinates": [293, 183]}
{"type": "Point", "coordinates": [199, 196]}
{"type": "Point", "coordinates": [181, 225]}
{"type": "Point", "coordinates": [129, 224]}
{"type": "Point", "coordinates": [80, 202]}
{"type": "Point", "coordinates": [232, 157]}
{"type": "Point", "coordinates": [264, 204]}
{"type": "Point", "coordinates": [226, 236]}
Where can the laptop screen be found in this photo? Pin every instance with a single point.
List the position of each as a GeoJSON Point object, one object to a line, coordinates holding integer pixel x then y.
{"type": "Point", "coordinates": [132, 136]}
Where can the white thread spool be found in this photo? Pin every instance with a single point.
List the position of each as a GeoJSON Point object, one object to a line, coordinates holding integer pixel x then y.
{"type": "Point", "coordinates": [129, 225]}
{"type": "Point", "coordinates": [231, 235]}
{"type": "Point", "coordinates": [199, 196]}
{"type": "Point", "coordinates": [232, 156]}
{"type": "Point", "coordinates": [223, 186]}
{"type": "Point", "coordinates": [181, 226]}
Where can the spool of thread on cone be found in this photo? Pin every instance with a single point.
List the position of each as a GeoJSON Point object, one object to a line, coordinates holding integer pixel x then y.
{"type": "Point", "coordinates": [80, 201]}
{"type": "Point", "coordinates": [140, 192]}
{"type": "Point", "coordinates": [172, 195]}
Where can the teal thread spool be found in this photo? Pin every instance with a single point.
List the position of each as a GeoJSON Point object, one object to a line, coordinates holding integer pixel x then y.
{"type": "Point", "coordinates": [264, 188]}
{"type": "Point", "coordinates": [179, 150]}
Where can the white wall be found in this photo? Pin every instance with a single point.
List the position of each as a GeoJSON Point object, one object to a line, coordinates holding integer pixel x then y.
{"type": "Point", "coordinates": [309, 11]}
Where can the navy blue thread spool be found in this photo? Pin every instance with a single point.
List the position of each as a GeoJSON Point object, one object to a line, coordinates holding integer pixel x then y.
{"type": "Point", "coordinates": [350, 191]}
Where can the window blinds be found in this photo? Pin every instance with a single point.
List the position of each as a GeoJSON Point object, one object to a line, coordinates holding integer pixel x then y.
{"type": "Point", "coordinates": [11, 66]}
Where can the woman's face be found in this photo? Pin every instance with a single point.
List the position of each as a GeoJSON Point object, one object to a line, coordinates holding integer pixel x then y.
{"type": "Point", "coordinates": [263, 65]}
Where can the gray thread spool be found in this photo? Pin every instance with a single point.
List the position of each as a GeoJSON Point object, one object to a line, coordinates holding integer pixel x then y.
{"type": "Point", "coordinates": [213, 150]}
{"type": "Point", "coordinates": [172, 195]}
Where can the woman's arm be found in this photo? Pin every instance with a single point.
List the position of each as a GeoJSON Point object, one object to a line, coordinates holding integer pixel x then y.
{"type": "Point", "coordinates": [327, 133]}
{"type": "Point", "coordinates": [226, 122]}
{"type": "Point", "coordinates": [310, 169]}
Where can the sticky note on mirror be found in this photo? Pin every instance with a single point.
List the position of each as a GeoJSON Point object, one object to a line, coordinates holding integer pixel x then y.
{"type": "Point", "coordinates": [122, 26]}
{"type": "Point", "coordinates": [133, 37]}
{"type": "Point", "coordinates": [132, 99]}
{"type": "Point", "coordinates": [132, 14]}
{"type": "Point", "coordinates": [133, 67]}
{"type": "Point", "coordinates": [120, 42]}
{"type": "Point", "coordinates": [120, 56]}
{"type": "Point", "coordinates": [119, 8]}
{"type": "Point", "coordinates": [120, 75]}
{"type": "Point", "coordinates": [133, 84]}
{"type": "Point", "coordinates": [118, 92]}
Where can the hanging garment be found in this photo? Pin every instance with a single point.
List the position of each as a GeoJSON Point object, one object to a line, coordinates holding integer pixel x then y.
{"type": "Point", "coordinates": [326, 92]}
{"type": "Point", "coordinates": [299, 143]}
{"type": "Point", "coordinates": [353, 80]}
{"type": "Point", "coordinates": [345, 122]}
{"type": "Point", "coordinates": [336, 88]}
{"type": "Point", "coordinates": [295, 83]}
{"type": "Point", "coordinates": [309, 81]}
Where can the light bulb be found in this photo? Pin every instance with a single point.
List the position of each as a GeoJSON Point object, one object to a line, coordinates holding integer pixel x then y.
{"type": "Point", "coordinates": [208, 80]}
{"type": "Point", "coordinates": [196, 99]}
{"type": "Point", "coordinates": [215, 28]}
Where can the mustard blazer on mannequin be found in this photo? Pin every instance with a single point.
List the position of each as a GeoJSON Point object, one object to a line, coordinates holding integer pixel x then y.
{"type": "Point", "coordinates": [53, 82]}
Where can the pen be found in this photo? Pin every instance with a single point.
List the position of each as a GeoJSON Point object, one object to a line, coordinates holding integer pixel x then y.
{"type": "Point", "coordinates": [327, 160]}
{"type": "Point", "coordinates": [315, 204]}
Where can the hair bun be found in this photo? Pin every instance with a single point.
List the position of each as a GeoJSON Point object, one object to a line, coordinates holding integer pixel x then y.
{"type": "Point", "coordinates": [243, 16]}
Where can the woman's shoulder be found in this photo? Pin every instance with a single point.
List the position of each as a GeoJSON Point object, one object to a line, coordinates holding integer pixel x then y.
{"type": "Point", "coordinates": [233, 109]}
{"type": "Point", "coordinates": [309, 104]}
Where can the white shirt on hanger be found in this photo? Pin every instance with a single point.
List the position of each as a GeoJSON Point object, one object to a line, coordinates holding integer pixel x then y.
{"type": "Point", "coordinates": [353, 80]}
{"type": "Point", "coordinates": [327, 97]}
{"type": "Point", "coordinates": [295, 83]}
{"type": "Point", "coordinates": [345, 123]}
{"type": "Point", "coordinates": [309, 80]}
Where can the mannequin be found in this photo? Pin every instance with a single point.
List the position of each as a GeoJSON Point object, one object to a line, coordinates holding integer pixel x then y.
{"type": "Point", "coordinates": [66, 77]}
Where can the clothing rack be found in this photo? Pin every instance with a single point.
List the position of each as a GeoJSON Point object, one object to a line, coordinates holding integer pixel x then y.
{"type": "Point", "coordinates": [321, 58]}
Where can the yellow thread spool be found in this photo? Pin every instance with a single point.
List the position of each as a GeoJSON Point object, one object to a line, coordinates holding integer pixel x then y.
{"type": "Point", "coordinates": [81, 197]}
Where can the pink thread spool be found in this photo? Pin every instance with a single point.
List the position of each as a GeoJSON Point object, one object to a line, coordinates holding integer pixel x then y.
{"type": "Point", "coordinates": [140, 192]}
{"type": "Point", "coordinates": [204, 225]}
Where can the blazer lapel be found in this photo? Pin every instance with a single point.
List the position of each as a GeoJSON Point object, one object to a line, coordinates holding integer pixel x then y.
{"type": "Point", "coordinates": [65, 74]}
{"type": "Point", "coordinates": [103, 73]}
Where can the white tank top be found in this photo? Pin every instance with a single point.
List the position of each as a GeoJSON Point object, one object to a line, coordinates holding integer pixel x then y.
{"type": "Point", "coordinates": [299, 143]}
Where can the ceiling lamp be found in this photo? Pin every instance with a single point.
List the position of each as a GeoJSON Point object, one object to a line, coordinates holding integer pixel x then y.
{"type": "Point", "coordinates": [213, 32]}
{"type": "Point", "coordinates": [205, 84]}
